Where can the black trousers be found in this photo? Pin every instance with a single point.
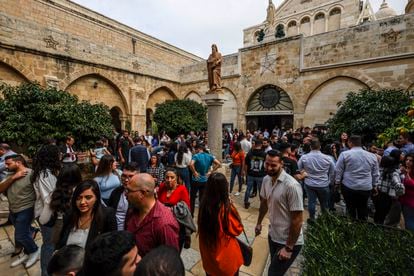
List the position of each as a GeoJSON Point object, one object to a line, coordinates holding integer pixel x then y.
{"type": "Point", "coordinates": [382, 204]}
{"type": "Point", "coordinates": [278, 267]}
{"type": "Point", "coordinates": [356, 202]}
{"type": "Point", "coordinates": [196, 187]}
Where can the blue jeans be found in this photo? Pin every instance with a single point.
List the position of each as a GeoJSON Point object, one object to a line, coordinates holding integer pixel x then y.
{"type": "Point", "coordinates": [408, 213]}
{"type": "Point", "coordinates": [250, 181]}
{"type": "Point", "coordinates": [278, 267]}
{"type": "Point", "coordinates": [235, 171]}
{"type": "Point", "coordinates": [185, 176]}
{"type": "Point", "coordinates": [23, 230]}
{"type": "Point", "coordinates": [47, 248]}
{"type": "Point", "coordinates": [320, 193]}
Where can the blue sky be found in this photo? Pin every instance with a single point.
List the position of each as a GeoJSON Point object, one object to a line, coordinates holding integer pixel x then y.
{"type": "Point", "coordinates": [194, 25]}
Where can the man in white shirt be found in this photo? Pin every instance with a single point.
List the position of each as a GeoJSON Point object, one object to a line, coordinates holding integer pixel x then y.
{"type": "Point", "coordinates": [245, 144]}
{"type": "Point", "coordinates": [282, 195]}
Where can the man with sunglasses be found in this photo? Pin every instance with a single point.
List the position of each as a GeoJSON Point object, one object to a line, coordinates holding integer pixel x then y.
{"type": "Point", "coordinates": [151, 223]}
{"type": "Point", "coordinates": [118, 200]}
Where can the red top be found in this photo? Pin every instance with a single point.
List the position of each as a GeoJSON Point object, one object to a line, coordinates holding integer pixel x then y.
{"type": "Point", "coordinates": [408, 197]}
{"type": "Point", "coordinates": [226, 258]}
{"type": "Point", "coordinates": [159, 227]}
{"type": "Point", "coordinates": [237, 157]}
{"type": "Point", "coordinates": [179, 194]}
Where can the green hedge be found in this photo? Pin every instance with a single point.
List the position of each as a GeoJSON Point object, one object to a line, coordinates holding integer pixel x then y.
{"type": "Point", "coordinates": [338, 246]}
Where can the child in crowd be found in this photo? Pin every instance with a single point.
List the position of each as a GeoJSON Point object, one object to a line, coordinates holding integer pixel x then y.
{"type": "Point", "coordinates": [99, 151]}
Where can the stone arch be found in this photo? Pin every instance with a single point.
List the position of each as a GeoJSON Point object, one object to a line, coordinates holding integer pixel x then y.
{"type": "Point", "coordinates": [19, 67]}
{"type": "Point", "coordinates": [334, 22]}
{"type": "Point", "coordinates": [159, 96]}
{"type": "Point", "coordinates": [322, 102]}
{"type": "Point", "coordinates": [10, 75]}
{"type": "Point", "coordinates": [319, 23]}
{"type": "Point", "coordinates": [117, 118]}
{"type": "Point", "coordinates": [230, 108]}
{"type": "Point", "coordinates": [268, 106]}
{"type": "Point", "coordinates": [98, 89]}
{"type": "Point", "coordinates": [305, 25]}
{"type": "Point", "coordinates": [292, 28]}
{"type": "Point", "coordinates": [195, 96]}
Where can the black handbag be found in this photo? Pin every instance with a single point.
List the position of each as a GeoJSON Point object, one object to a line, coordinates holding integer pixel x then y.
{"type": "Point", "coordinates": [246, 250]}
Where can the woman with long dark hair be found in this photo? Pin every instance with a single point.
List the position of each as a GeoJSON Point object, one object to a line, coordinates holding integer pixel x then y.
{"type": "Point", "coordinates": [87, 218]}
{"type": "Point", "coordinates": [156, 169]}
{"type": "Point", "coordinates": [107, 177]}
{"type": "Point", "coordinates": [46, 166]}
{"type": "Point", "coordinates": [69, 177]}
{"type": "Point", "coordinates": [218, 226]}
{"type": "Point", "coordinates": [389, 187]}
{"type": "Point", "coordinates": [182, 161]}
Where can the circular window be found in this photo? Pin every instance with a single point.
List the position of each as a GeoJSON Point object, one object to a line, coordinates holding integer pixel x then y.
{"type": "Point", "coordinates": [269, 97]}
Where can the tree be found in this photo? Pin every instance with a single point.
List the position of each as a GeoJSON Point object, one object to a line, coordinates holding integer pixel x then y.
{"type": "Point", "coordinates": [280, 31]}
{"type": "Point", "coordinates": [402, 125]}
{"type": "Point", "coordinates": [180, 116]}
{"type": "Point", "coordinates": [368, 112]}
{"type": "Point", "coordinates": [29, 113]}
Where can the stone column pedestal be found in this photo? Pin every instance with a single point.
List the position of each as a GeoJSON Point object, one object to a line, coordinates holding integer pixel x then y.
{"type": "Point", "coordinates": [215, 103]}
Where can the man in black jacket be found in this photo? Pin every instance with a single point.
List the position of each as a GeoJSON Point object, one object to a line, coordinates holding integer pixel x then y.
{"type": "Point", "coordinates": [117, 200]}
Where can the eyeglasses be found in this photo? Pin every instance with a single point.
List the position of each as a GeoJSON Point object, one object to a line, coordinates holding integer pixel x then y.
{"type": "Point", "coordinates": [127, 176]}
{"type": "Point", "coordinates": [129, 191]}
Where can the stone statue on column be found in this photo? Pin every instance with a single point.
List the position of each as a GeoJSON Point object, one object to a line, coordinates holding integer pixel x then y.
{"type": "Point", "coordinates": [214, 70]}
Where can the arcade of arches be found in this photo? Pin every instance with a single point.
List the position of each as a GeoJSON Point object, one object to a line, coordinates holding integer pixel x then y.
{"type": "Point", "coordinates": [294, 81]}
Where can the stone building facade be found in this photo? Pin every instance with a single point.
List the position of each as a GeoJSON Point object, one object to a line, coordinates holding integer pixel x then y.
{"type": "Point", "coordinates": [324, 49]}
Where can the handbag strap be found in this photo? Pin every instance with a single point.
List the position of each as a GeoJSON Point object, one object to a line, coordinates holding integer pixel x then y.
{"type": "Point", "coordinates": [246, 236]}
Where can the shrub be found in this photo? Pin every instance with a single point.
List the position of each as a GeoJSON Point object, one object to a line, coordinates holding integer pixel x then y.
{"type": "Point", "coordinates": [338, 246]}
{"type": "Point", "coordinates": [29, 113]}
{"type": "Point", "coordinates": [180, 116]}
{"type": "Point", "coordinates": [368, 112]}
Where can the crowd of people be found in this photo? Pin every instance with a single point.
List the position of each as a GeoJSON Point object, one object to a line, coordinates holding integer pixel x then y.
{"type": "Point", "coordinates": [135, 215]}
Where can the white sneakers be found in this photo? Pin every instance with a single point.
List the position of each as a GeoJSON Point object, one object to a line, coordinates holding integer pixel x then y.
{"type": "Point", "coordinates": [21, 258]}
{"type": "Point", "coordinates": [29, 260]}
{"type": "Point", "coordinates": [33, 258]}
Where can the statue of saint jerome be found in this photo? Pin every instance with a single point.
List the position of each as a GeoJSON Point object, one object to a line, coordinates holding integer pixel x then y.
{"type": "Point", "coordinates": [214, 69]}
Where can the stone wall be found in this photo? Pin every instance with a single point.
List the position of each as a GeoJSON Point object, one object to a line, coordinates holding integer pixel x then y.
{"type": "Point", "coordinates": [67, 29]}
{"type": "Point", "coordinates": [380, 39]}
{"type": "Point", "coordinates": [410, 7]}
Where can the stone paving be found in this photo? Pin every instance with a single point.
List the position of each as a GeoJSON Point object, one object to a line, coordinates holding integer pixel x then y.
{"type": "Point", "coordinates": [191, 256]}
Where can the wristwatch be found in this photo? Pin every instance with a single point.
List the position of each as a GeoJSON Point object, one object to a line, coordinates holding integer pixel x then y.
{"type": "Point", "coordinates": [288, 249]}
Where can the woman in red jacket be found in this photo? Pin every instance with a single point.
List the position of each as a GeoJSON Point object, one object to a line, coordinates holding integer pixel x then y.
{"type": "Point", "coordinates": [218, 226]}
{"type": "Point", "coordinates": [170, 193]}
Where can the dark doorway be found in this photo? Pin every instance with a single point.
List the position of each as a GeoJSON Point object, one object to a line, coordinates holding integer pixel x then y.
{"type": "Point", "coordinates": [269, 121]}
{"type": "Point", "coordinates": [116, 121]}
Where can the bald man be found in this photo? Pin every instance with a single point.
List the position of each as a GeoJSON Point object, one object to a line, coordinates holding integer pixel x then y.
{"type": "Point", "coordinates": [150, 221]}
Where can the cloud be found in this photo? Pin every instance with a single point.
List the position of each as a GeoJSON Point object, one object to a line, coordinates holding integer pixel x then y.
{"type": "Point", "coordinates": [194, 25]}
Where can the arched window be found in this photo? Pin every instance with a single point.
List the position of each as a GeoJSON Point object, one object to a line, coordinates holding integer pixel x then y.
{"type": "Point", "coordinates": [305, 20]}
{"type": "Point", "coordinates": [305, 26]}
{"type": "Point", "coordinates": [319, 25]}
{"type": "Point", "coordinates": [292, 28]}
{"type": "Point", "coordinates": [335, 11]}
{"type": "Point", "coordinates": [334, 19]}
{"type": "Point", "coordinates": [280, 31]}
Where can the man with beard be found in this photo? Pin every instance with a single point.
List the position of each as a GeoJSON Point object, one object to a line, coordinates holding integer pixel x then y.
{"type": "Point", "coordinates": [282, 195]}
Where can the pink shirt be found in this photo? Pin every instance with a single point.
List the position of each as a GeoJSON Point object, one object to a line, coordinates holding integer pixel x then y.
{"type": "Point", "coordinates": [408, 197]}
{"type": "Point", "coordinates": [159, 227]}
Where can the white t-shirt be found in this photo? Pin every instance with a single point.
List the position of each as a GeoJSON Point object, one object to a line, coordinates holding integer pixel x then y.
{"type": "Point", "coordinates": [78, 237]}
{"type": "Point", "coordinates": [282, 198]}
{"type": "Point", "coordinates": [186, 160]}
{"type": "Point", "coordinates": [121, 211]}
